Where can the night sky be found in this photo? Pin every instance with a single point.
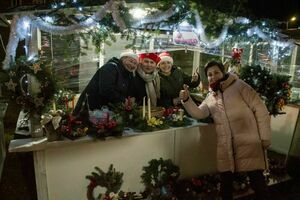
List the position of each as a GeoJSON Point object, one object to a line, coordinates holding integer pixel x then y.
{"type": "Point", "coordinates": [281, 10]}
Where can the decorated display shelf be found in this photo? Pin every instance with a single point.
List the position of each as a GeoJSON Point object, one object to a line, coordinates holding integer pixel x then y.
{"type": "Point", "coordinates": [108, 121]}
{"type": "Point", "coordinates": [73, 160]}
{"type": "Point", "coordinates": [33, 144]}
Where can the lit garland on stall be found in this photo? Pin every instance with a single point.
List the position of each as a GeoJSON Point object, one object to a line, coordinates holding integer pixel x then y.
{"type": "Point", "coordinates": [172, 16]}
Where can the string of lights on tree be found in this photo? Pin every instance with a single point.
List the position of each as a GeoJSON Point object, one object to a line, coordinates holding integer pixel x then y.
{"type": "Point", "coordinates": [73, 17]}
{"type": "Point", "coordinates": [274, 89]}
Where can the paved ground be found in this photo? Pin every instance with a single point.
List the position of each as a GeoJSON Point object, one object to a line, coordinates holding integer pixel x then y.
{"type": "Point", "coordinates": [17, 180]}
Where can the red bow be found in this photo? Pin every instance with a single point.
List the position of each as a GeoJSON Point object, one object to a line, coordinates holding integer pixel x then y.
{"type": "Point", "coordinates": [237, 53]}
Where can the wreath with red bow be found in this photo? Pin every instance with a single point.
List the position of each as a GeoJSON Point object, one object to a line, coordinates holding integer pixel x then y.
{"type": "Point", "coordinates": [111, 180]}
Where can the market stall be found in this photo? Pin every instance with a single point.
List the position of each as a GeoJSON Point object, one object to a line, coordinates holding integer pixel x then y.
{"type": "Point", "coordinates": [61, 166]}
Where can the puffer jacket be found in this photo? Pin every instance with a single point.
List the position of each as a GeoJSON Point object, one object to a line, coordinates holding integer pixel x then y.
{"type": "Point", "coordinates": [241, 120]}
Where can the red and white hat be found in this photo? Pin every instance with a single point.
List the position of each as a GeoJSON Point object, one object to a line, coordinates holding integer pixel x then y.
{"type": "Point", "coordinates": [152, 56]}
{"type": "Point", "coordinates": [129, 54]}
{"type": "Point", "coordinates": [165, 56]}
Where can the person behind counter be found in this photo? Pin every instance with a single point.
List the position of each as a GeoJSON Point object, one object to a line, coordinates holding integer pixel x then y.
{"type": "Point", "coordinates": [242, 124]}
{"type": "Point", "coordinates": [172, 79]}
{"type": "Point", "coordinates": [147, 83]}
{"type": "Point", "coordinates": [110, 84]}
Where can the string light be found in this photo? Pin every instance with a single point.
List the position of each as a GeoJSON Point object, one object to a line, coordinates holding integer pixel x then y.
{"type": "Point", "coordinates": [21, 30]}
{"type": "Point", "coordinates": [49, 19]}
{"type": "Point", "coordinates": [138, 13]}
{"type": "Point", "coordinates": [54, 6]}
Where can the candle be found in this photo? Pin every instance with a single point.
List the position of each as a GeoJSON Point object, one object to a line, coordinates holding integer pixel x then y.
{"type": "Point", "coordinates": [181, 112]}
{"type": "Point", "coordinates": [67, 103]}
{"type": "Point", "coordinates": [149, 109]}
{"type": "Point", "coordinates": [54, 106]}
{"type": "Point", "coordinates": [73, 103]}
{"type": "Point", "coordinates": [144, 107]}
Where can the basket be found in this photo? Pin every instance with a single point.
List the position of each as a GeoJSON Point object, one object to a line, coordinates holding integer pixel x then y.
{"type": "Point", "coordinates": [155, 111]}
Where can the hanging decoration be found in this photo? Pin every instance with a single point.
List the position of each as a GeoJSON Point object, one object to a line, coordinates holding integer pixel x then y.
{"type": "Point", "coordinates": [234, 64]}
{"type": "Point", "coordinates": [209, 43]}
{"type": "Point", "coordinates": [29, 83]}
{"type": "Point", "coordinates": [120, 18]}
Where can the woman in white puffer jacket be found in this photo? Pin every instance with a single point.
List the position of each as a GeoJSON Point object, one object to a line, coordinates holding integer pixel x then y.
{"type": "Point", "coordinates": [242, 124]}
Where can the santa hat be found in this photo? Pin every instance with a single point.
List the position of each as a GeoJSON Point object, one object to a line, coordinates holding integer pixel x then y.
{"type": "Point", "coordinates": [165, 56]}
{"type": "Point", "coordinates": [152, 56]}
{"type": "Point", "coordinates": [129, 54]}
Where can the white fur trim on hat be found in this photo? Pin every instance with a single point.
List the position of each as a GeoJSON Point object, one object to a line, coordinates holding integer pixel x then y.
{"type": "Point", "coordinates": [165, 57]}
{"type": "Point", "coordinates": [129, 54]}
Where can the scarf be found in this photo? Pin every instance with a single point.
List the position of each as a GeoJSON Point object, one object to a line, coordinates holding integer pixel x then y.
{"type": "Point", "coordinates": [152, 85]}
{"type": "Point", "coordinates": [215, 86]}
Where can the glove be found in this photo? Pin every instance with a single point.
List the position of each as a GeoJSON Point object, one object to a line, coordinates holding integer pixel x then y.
{"type": "Point", "coordinates": [266, 143]}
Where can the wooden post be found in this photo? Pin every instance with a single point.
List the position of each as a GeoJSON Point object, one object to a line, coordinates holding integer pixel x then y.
{"type": "Point", "coordinates": [40, 175]}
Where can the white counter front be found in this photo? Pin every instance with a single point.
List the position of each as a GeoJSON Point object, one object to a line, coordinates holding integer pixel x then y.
{"type": "Point", "coordinates": [61, 166]}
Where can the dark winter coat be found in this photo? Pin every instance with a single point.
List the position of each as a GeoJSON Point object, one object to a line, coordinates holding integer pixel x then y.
{"type": "Point", "coordinates": [110, 84]}
{"type": "Point", "coordinates": [171, 85]}
{"type": "Point", "coordinates": [138, 89]}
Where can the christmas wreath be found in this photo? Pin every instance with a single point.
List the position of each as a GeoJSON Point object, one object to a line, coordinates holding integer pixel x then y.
{"type": "Point", "coordinates": [175, 117]}
{"type": "Point", "coordinates": [30, 83]}
{"type": "Point", "coordinates": [159, 178]}
{"type": "Point", "coordinates": [129, 112]}
{"type": "Point", "coordinates": [112, 181]}
{"type": "Point", "coordinates": [274, 89]}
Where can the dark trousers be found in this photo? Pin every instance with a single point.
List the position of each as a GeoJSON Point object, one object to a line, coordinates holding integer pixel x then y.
{"type": "Point", "coordinates": [257, 183]}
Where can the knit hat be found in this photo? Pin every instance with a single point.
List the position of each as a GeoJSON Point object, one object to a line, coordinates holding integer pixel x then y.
{"type": "Point", "coordinates": [152, 56]}
{"type": "Point", "coordinates": [165, 56]}
{"type": "Point", "coordinates": [129, 54]}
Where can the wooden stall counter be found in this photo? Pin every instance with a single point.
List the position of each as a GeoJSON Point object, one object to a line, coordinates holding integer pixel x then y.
{"type": "Point", "coordinates": [61, 166]}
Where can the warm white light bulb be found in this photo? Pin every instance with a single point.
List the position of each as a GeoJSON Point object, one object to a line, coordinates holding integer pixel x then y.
{"type": "Point", "coordinates": [49, 19]}
{"type": "Point", "coordinates": [26, 24]}
{"type": "Point", "coordinates": [138, 13]}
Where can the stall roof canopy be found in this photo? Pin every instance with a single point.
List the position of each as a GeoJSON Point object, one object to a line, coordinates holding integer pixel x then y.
{"type": "Point", "coordinates": [6, 8]}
